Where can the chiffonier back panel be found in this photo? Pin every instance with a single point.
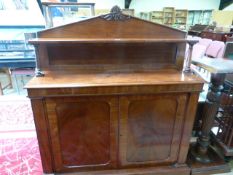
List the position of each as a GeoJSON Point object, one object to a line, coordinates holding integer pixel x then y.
{"type": "Point", "coordinates": [97, 55]}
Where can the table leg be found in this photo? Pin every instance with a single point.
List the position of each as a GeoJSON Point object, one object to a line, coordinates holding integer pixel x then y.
{"type": "Point", "coordinates": [200, 151]}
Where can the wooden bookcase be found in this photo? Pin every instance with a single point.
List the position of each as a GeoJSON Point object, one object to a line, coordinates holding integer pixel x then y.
{"type": "Point", "coordinates": [157, 16]}
{"type": "Point", "coordinates": [145, 15]}
{"type": "Point", "coordinates": [169, 15]}
{"type": "Point", "coordinates": [181, 17]}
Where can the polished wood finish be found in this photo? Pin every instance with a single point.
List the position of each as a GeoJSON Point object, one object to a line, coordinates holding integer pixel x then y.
{"type": "Point", "coordinates": [43, 134]}
{"type": "Point", "coordinates": [189, 58]}
{"type": "Point", "coordinates": [201, 151]}
{"type": "Point", "coordinates": [145, 137]}
{"type": "Point", "coordinates": [219, 36]}
{"type": "Point", "coordinates": [209, 111]}
{"type": "Point", "coordinates": [97, 27]}
{"type": "Point", "coordinates": [112, 97]}
{"type": "Point", "coordinates": [167, 170]}
{"type": "Point", "coordinates": [218, 165]}
{"type": "Point", "coordinates": [96, 118]}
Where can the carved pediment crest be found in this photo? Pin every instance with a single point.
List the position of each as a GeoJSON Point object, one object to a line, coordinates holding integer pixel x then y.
{"type": "Point", "coordinates": [115, 15]}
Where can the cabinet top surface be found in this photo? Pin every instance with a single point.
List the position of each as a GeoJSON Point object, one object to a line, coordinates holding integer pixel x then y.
{"type": "Point", "coordinates": [62, 79]}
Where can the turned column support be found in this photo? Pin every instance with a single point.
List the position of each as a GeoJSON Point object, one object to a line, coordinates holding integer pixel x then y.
{"type": "Point", "coordinates": [200, 151]}
{"type": "Point", "coordinates": [38, 71]}
{"type": "Point", "coordinates": [189, 58]}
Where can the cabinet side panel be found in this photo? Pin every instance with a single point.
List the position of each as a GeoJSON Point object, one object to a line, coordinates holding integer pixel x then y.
{"type": "Point", "coordinates": [187, 128]}
{"type": "Point", "coordinates": [43, 135]}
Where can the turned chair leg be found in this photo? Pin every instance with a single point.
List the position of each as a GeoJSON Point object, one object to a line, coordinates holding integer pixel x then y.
{"type": "Point", "coordinates": [1, 90]}
{"type": "Point", "coordinates": [8, 73]}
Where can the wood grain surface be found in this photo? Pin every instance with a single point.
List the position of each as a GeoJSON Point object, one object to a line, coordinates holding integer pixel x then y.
{"type": "Point", "coordinates": [113, 98]}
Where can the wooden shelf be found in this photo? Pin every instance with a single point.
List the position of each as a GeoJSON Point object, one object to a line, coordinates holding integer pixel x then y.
{"type": "Point", "coordinates": [170, 16]}
{"type": "Point", "coordinates": [157, 16]}
{"type": "Point", "coordinates": [181, 17]}
{"type": "Point", "coordinates": [100, 40]}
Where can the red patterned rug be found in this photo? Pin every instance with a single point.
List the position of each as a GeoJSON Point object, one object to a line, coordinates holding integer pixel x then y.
{"type": "Point", "coordinates": [19, 152]}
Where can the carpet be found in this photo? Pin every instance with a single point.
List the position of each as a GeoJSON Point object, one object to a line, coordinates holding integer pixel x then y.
{"type": "Point", "coordinates": [19, 151]}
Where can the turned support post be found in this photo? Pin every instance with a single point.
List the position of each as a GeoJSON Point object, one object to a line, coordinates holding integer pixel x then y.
{"type": "Point", "coordinates": [200, 152]}
{"type": "Point", "coordinates": [189, 57]}
{"type": "Point", "coordinates": [38, 71]}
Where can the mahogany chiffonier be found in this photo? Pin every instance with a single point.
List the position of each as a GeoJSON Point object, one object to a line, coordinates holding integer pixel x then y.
{"type": "Point", "coordinates": [110, 97]}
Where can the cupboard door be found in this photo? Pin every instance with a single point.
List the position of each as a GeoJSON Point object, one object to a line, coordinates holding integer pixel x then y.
{"type": "Point", "coordinates": [150, 128]}
{"type": "Point", "coordinates": [83, 132]}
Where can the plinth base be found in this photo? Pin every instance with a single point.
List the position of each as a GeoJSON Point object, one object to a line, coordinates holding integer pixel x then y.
{"type": "Point", "coordinates": [161, 170]}
{"type": "Point", "coordinates": [216, 164]}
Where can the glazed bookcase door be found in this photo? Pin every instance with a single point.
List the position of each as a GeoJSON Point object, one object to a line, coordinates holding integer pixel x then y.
{"type": "Point", "coordinates": [150, 128]}
{"type": "Point", "coordinates": [83, 132]}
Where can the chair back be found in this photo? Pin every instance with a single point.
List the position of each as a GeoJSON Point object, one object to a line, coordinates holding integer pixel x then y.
{"type": "Point", "coordinates": [205, 42]}
{"type": "Point", "coordinates": [215, 49]}
{"type": "Point", "coordinates": [198, 51]}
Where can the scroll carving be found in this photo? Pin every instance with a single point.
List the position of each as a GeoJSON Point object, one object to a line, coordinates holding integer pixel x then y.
{"type": "Point", "coordinates": [115, 15]}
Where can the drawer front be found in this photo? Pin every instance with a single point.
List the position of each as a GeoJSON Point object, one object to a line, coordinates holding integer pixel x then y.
{"type": "Point", "coordinates": [83, 132]}
{"type": "Point", "coordinates": [150, 128]}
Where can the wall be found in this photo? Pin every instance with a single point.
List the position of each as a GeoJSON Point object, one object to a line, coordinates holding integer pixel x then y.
{"type": "Point", "coordinates": [151, 5]}
{"type": "Point", "coordinates": [223, 17]}
{"type": "Point", "coordinates": [11, 16]}
{"type": "Point", "coordinates": [230, 7]}
{"type": "Point", "coordinates": [106, 4]}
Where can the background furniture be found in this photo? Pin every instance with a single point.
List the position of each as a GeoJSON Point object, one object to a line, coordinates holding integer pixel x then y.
{"type": "Point", "coordinates": [229, 50]}
{"type": "Point", "coordinates": [69, 9]}
{"type": "Point", "coordinates": [196, 29]}
{"type": "Point", "coordinates": [113, 101]}
{"type": "Point", "coordinates": [20, 72]}
{"type": "Point", "coordinates": [199, 17]}
{"type": "Point", "coordinates": [224, 118]}
{"type": "Point", "coordinates": [223, 136]}
{"type": "Point", "coordinates": [219, 36]}
{"type": "Point", "coordinates": [8, 85]}
{"type": "Point", "coordinates": [15, 52]}
{"type": "Point", "coordinates": [215, 49]}
{"type": "Point", "coordinates": [203, 152]}
{"type": "Point", "coordinates": [157, 16]}
{"type": "Point", "coordinates": [181, 18]}
{"type": "Point", "coordinates": [168, 15]}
